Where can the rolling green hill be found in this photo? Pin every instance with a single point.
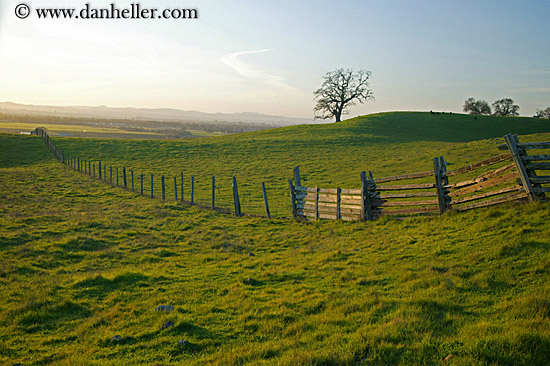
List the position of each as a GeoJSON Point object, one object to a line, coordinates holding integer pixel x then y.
{"type": "Point", "coordinates": [330, 155]}
{"type": "Point", "coordinates": [84, 265]}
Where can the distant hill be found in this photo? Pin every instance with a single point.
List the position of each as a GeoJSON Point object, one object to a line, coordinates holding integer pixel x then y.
{"type": "Point", "coordinates": [161, 114]}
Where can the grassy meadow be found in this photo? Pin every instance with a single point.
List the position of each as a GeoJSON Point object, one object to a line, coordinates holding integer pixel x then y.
{"type": "Point", "coordinates": [329, 155]}
{"type": "Point", "coordinates": [84, 264]}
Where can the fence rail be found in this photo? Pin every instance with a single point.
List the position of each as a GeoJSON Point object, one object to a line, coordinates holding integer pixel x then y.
{"type": "Point", "coordinates": [512, 177]}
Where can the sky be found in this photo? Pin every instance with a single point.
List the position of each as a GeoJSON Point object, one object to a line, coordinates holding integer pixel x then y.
{"type": "Point", "coordinates": [269, 56]}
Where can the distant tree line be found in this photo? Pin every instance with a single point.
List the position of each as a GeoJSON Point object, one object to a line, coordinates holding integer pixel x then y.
{"type": "Point", "coordinates": [503, 107]}
{"type": "Point", "coordinates": [542, 113]}
{"type": "Point", "coordinates": [175, 129]}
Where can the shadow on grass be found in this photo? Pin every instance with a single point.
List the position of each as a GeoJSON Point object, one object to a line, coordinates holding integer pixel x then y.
{"type": "Point", "coordinates": [84, 244]}
{"type": "Point", "coordinates": [526, 349]}
{"type": "Point", "coordinates": [44, 316]}
{"type": "Point", "coordinates": [99, 286]}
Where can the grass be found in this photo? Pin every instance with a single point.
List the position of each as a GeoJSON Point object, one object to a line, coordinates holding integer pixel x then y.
{"type": "Point", "coordinates": [83, 262]}
{"type": "Point", "coordinates": [329, 155]}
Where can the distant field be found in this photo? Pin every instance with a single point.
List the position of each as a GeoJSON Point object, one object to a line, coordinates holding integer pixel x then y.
{"type": "Point", "coordinates": [90, 131]}
{"type": "Point", "coordinates": [83, 265]}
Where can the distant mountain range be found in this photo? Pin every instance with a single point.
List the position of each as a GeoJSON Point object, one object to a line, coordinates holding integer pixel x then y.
{"type": "Point", "coordinates": [161, 114]}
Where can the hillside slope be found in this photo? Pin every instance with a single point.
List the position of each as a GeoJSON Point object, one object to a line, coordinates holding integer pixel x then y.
{"type": "Point", "coordinates": [84, 262]}
{"type": "Point", "coordinates": [329, 155]}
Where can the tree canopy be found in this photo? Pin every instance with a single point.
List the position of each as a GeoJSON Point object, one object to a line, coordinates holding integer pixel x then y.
{"type": "Point", "coordinates": [505, 107]}
{"type": "Point", "coordinates": [477, 107]}
{"type": "Point", "coordinates": [542, 113]}
{"type": "Point", "coordinates": [340, 90]}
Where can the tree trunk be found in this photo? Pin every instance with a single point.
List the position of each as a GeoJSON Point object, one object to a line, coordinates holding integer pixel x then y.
{"type": "Point", "coordinates": [338, 115]}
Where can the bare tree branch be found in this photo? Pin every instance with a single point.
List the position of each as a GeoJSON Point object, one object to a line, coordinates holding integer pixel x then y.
{"type": "Point", "coordinates": [340, 90]}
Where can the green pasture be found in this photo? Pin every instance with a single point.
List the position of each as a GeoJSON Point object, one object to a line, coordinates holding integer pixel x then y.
{"type": "Point", "coordinates": [329, 155]}
{"type": "Point", "coordinates": [84, 265]}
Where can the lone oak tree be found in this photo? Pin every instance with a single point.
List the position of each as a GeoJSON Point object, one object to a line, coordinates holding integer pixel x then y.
{"type": "Point", "coordinates": [340, 90]}
{"type": "Point", "coordinates": [505, 108]}
{"type": "Point", "coordinates": [477, 107]}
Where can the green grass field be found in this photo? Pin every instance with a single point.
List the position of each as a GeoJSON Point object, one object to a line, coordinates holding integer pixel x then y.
{"type": "Point", "coordinates": [329, 155]}
{"type": "Point", "coordinates": [83, 262]}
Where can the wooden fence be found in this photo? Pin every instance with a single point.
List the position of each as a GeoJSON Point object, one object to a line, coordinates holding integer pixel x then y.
{"type": "Point", "coordinates": [506, 177]}
{"type": "Point", "coordinates": [510, 176]}
{"type": "Point", "coordinates": [127, 179]}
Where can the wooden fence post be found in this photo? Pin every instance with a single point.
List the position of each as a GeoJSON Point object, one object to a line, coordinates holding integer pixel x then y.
{"type": "Point", "coordinates": [141, 191]}
{"type": "Point", "coordinates": [192, 190]}
{"type": "Point", "coordinates": [366, 205]}
{"type": "Point", "coordinates": [110, 174]}
{"type": "Point", "coordinates": [99, 169]}
{"type": "Point", "coordinates": [124, 177]}
{"type": "Point", "coordinates": [162, 186]}
{"type": "Point", "coordinates": [152, 194]}
{"type": "Point", "coordinates": [117, 176]}
{"type": "Point", "coordinates": [236, 198]}
{"type": "Point", "coordinates": [338, 203]}
{"type": "Point", "coordinates": [176, 188]}
{"type": "Point", "coordinates": [131, 171]}
{"type": "Point", "coordinates": [181, 187]}
{"type": "Point", "coordinates": [297, 179]}
{"type": "Point", "coordinates": [523, 176]}
{"type": "Point", "coordinates": [93, 169]}
{"type": "Point", "coordinates": [443, 166]}
{"type": "Point", "coordinates": [89, 167]}
{"type": "Point", "coordinates": [440, 195]}
{"type": "Point", "coordinates": [268, 214]}
{"type": "Point", "coordinates": [292, 199]}
{"type": "Point", "coordinates": [213, 192]}
{"type": "Point", "coordinates": [316, 203]}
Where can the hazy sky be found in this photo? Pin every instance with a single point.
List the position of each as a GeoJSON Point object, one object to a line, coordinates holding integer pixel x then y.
{"type": "Point", "coordinates": [269, 56]}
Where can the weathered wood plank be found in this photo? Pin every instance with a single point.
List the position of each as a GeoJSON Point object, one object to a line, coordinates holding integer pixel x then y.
{"type": "Point", "coordinates": [536, 157]}
{"type": "Point", "coordinates": [408, 195]}
{"type": "Point", "coordinates": [384, 203]}
{"type": "Point", "coordinates": [410, 211]}
{"type": "Point", "coordinates": [404, 177]}
{"type": "Point", "coordinates": [328, 209]}
{"type": "Point", "coordinates": [482, 177]}
{"type": "Point", "coordinates": [496, 201]}
{"type": "Point", "coordinates": [485, 195]}
{"type": "Point", "coordinates": [541, 179]}
{"type": "Point", "coordinates": [346, 217]}
{"type": "Point", "coordinates": [538, 166]}
{"type": "Point", "coordinates": [528, 145]}
{"type": "Point", "coordinates": [511, 142]}
{"type": "Point", "coordinates": [312, 204]}
{"type": "Point", "coordinates": [330, 199]}
{"type": "Point", "coordinates": [405, 187]}
{"type": "Point", "coordinates": [489, 161]}
{"type": "Point", "coordinates": [485, 184]}
{"type": "Point", "coordinates": [541, 189]}
{"type": "Point", "coordinates": [351, 191]}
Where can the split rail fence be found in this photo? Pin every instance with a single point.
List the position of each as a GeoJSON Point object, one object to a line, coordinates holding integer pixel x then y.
{"type": "Point", "coordinates": [511, 176]}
